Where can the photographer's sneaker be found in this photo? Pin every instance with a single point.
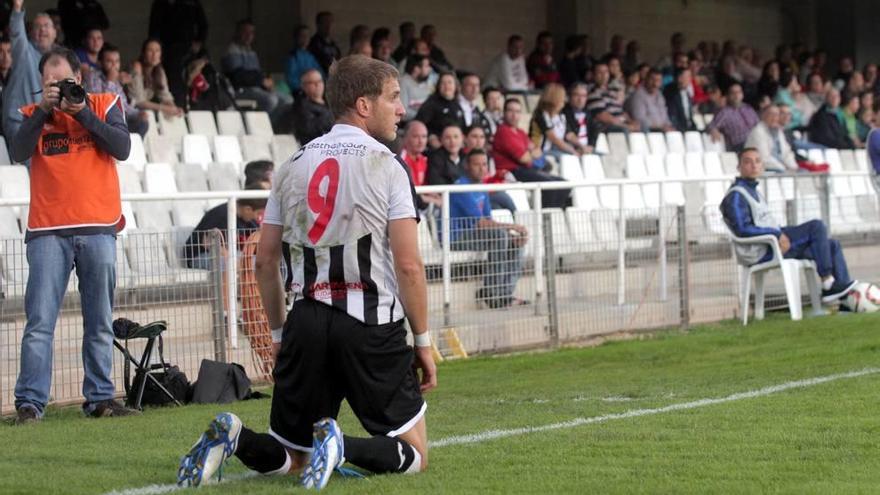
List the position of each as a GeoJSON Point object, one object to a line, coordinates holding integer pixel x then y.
{"type": "Point", "coordinates": [208, 454]}
{"type": "Point", "coordinates": [328, 454]}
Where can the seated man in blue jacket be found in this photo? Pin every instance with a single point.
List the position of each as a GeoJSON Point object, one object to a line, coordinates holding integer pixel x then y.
{"type": "Point", "coordinates": [747, 214]}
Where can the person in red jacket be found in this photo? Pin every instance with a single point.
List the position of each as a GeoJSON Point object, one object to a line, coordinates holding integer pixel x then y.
{"type": "Point", "coordinates": [514, 152]}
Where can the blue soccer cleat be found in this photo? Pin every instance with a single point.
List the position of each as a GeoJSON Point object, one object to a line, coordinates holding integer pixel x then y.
{"type": "Point", "coordinates": [328, 454]}
{"type": "Point", "coordinates": [211, 450]}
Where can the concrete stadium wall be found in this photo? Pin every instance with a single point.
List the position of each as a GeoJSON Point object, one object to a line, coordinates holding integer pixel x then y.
{"type": "Point", "coordinates": [471, 33]}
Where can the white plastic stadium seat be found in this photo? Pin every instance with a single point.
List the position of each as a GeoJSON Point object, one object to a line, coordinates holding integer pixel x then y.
{"type": "Point", "coordinates": [617, 144]}
{"type": "Point", "coordinates": [710, 145]}
{"type": "Point", "coordinates": [283, 147]}
{"type": "Point", "coordinates": [159, 178]}
{"type": "Point", "coordinates": [636, 170]}
{"type": "Point", "coordinates": [191, 177]}
{"type": "Point", "coordinates": [227, 149]}
{"type": "Point", "coordinates": [791, 272]}
{"type": "Point", "coordinates": [657, 141]}
{"type": "Point", "coordinates": [602, 144]}
{"type": "Point", "coordinates": [174, 128]}
{"type": "Point", "coordinates": [255, 148]}
{"type": "Point", "coordinates": [4, 152]}
{"type": "Point", "coordinates": [693, 141]}
{"type": "Point", "coordinates": [223, 177]}
{"type": "Point", "coordinates": [675, 142]}
{"type": "Point", "coordinates": [161, 149]}
{"type": "Point", "coordinates": [638, 143]}
{"type": "Point", "coordinates": [15, 183]}
{"type": "Point", "coordinates": [196, 149]}
{"type": "Point", "coordinates": [201, 122]}
{"type": "Point", "coordinates": [137, 156]}
{"type": "Point", "coordinates": [229, 123]}
{"type": "Point", "coordinates": [520, 199]}
{"type": "Point", "coordinates": [258, 124]}
{"type": "Point", "coordinates": [152, 124]}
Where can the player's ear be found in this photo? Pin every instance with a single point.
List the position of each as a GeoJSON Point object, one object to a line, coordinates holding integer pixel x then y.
{"type": "Point", "coordinates": [363, 106]}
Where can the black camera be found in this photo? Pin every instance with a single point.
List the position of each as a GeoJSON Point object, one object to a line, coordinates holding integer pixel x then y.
{"type": "Point", "coordinates": [73, 92]}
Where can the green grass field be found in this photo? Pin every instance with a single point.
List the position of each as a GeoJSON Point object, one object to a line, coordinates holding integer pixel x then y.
{"type": "Point", "coordinates": [819, 438]}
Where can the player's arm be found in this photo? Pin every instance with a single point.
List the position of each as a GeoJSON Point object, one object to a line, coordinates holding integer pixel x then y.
{"type": "Point", "coordinates": [269, 279]}
{"type": "Point", "coordinates": [410, 272]}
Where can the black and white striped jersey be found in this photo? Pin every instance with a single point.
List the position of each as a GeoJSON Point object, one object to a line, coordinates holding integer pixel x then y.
{"type": "Point", "coordinates": [334, 199]}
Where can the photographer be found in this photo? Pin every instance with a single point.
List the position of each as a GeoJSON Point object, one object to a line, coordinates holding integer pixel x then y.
{"type": "Point", "coordinates": [72, 139]}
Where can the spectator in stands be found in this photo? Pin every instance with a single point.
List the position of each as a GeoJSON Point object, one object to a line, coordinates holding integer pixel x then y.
{"type": "Point", "coordinates": [322, 45]}
{"type": "Point", "coordinates": [358, 33]}
{"type": "Point", "coordinates": [864, 124]}
{"type": "Point", "coordinates": [259, 171]}
{"type": "Point", "coordinates": [727, 75]}
{"type": "Point", "coordinates": [438, 59]}
{"type": "Point", "coordinates": [53, 13]}
{"type": "Point", "coordinates": [381, 44]}
{"type": "Point", "coordinates": [768, 137]}
{"type": "Point", "coordinates": [149, 85]}
{"type": "Point", "coordinates": [548, 129]}
{"type": "Point", "coordinates": [845, 70]}
{"type": "Point", "coordinates": [734, 121]}
{"type": "Point", "coordinates": [197, 250]}
{"type": "Point", "coordinates": [24, 83]}
{"type": "Point", "coordinates": [795, 143]}
{"type": "Point", "coordinates": [441, 109]}
{"type": "Point", "coordinates": [855, 85]}
{"type": "Point", "coordinates": [493, 98]}
{"type": "Point", "coordinates": [515, 153]}
{"type": "Point", "coordinates": [78, 17]}
{"type": "Point", "coordinates": [177, 25]}
{"type": "Point", "coordinates": [616, 80]}
{"type": "Point", "coordinates": [872, 82]}
{"type": "Point", "coordinates": [647, 105]}
{"type": "Point", "coordinates": [311, 115]}
{"type": "Point", "coordinates": [111, 79]}
{"type": "Point", "coordinates": [790, 93]}
{"type": "Point", "coordinates": [242, 66]}
{"type": "Point", "coordinates": [632, 58]}
{"type": "Point", "coordinates": [827, 127]}
{"type": "Point", "coordinates": [75, 213]}
{"type": "Point", "coordinates": [679, 101]}
{"type": "Point", "coordinates": [575, 112]}
{"type": "Point", "coordinates": [633, 82]}
{"type": "Point", "coordinates": [866, 100]}
{"type": "Point", "coordinates": [445, 163]}
{"type": "Point", "coordinates": [468, 100]}
{"type": "Point", "coordinates": [585, 61]}
{"type": "Point", "coordinates": [616, 47]}
{"type": "Point", "coordinates": [89, 50]}
{"type": "Point", "coordinates": [472, 229]}
{"type": "Point", "coordinates": [299, 60]}
{"type": "Point", "coordinates": [769, 82]}
{"type": "Point", "coordinates": [5, 63]}
{"type": "Point", "coordinates": [407, 32]}
{"type": "Point", "coordinates": [605, 107]}
{"type": "Point", "coordinates": [747, 214]}
{"type": "Point", "coordinates": [746, 66]}
{"type": "Point", "coordinates": [816, 89]}
{"type": "Point", "coordinates": [676, 46]}
{"type": "Point", "coordinates": [415, 141]}
{"type": "Point", "coordinates": [849, 110]}
{"type": "Point", "coordinates": [415, 88]}
{"type": "Point", "coordinates": [475, 139]}
{"type": "Point", "coordinates": [568, 66]}
{"type": "Point", "coordinates": [540, 64]}
{"type": "Point", "coordinates": [508, 70]}
{"type": "Point", "coordinates": [715, 100]}
{"type": "Point", "coordinates": [699, 79]}
{"type": "Point", "coordinates": [362, 47]}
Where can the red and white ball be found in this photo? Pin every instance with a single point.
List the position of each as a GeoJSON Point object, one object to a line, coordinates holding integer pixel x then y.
{"type": "Point", "coordinates": [864, 298]}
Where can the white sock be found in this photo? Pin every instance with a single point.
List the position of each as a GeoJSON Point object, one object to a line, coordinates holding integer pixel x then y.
{"type": "Point", "coordinates": [416, 466]}
{"type": "Point", "coordinates": [828, 283]}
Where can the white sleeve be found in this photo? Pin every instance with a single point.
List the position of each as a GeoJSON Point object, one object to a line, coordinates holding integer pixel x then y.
{"type": "Point", "coordinates": [272, 214]}
{"type": "Point", "coordinates": [402, 200]}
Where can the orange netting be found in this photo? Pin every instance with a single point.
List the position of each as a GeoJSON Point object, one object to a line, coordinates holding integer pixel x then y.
{"type": "Point", "coordinates": [255, 325]}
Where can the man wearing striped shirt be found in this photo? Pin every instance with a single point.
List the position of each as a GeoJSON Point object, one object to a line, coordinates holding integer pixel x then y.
{"type": "Point", "coordinates": [346, 206]}
{"type": "Point", "coordinates": [605, 105]}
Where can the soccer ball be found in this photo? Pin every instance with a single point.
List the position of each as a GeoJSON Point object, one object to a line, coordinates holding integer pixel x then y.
{"type": "Point", "coordinates": [864, 298]}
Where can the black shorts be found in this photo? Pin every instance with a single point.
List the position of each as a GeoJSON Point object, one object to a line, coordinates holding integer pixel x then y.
{"type": "Point", "coordinates": [326, 356]}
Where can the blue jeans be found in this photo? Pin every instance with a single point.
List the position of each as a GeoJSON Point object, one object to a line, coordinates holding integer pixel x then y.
{"type": "Point", "coordinates": [504, 265]}
{"type": "Point", "coordinates": [810, 241]}
{"type": "Point", "coordinates": [51, 259]}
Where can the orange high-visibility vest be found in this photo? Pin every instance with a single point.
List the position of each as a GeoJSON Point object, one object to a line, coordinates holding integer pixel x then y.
{"type": "Point", "coordinates": [73, 182]}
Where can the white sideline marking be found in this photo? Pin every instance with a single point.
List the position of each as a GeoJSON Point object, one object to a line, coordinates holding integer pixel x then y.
{"type": "Point", "coordinates": [494, 434]}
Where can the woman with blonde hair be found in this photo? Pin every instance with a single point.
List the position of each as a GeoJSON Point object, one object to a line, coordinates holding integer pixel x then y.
{"type": "Point", "coordinates": [548, 129]}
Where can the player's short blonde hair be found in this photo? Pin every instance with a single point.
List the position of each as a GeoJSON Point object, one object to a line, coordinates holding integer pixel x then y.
{"type": "Point", "coordinates": [353, 77]}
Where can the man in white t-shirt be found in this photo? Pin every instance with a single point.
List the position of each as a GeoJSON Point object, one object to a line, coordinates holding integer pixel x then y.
{"type": "Point", "coordinates": [508, 70]}
{"type": "Point", "coordinates": [345, 205]}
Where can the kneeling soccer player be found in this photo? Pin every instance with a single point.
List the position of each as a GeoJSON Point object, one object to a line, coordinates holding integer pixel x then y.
{"type": "Point", "coordinates": [346, 206]}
